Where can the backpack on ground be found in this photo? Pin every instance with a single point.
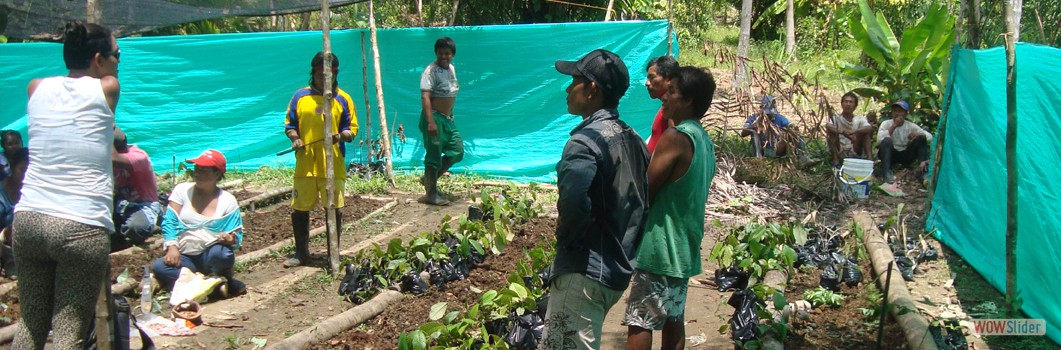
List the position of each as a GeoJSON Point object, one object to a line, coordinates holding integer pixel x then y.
{"type": "Point", "coordinates": [120, 325]}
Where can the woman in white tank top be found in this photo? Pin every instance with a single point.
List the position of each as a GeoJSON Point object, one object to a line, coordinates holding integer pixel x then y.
{"type": "Point", "coordinates": [63, 221]}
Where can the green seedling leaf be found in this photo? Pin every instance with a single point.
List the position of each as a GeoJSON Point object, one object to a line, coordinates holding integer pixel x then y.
{"type": "Point", "coordinates": [779, 300]}
{"type": "Point", "coordinates": [520, 290]}
{"type": "Point", "coordinates": [452, 315]}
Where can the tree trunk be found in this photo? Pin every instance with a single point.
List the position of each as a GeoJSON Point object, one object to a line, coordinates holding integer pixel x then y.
{"type": "Point", "coordinates": [453, 15]}
{"type": "Point", "coordinates": [94, 12]}
{"type": "Point", "coordinates": [420, 11]}
{"type": "Point", "coordinates": [1013, 29]}
{"type": "Point", "coordinates": [974, 26]}
{"type": "Point", "coordinates": [608, 12]}
{"type": "Point", "coordinates": [790, 29]}
{"type": "Point", "coordinates": [743, 41]}
{"type": "Point", "coordinates": [670, 27]}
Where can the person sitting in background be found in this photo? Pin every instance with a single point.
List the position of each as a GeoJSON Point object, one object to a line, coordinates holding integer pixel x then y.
{"type": "Point", "coordinates": [9, 196]}
{"type": "Point", "coordinates": [847, 134]}
{"type": "Point", "coordinates": [768, 130]}
{"type": "Point", "coordinates": [136, 206]}
{"type": "Point", "coordinates": [202, 228]}
{"type": "Point", "coordinates": [901, 142]}
{"type": "Point", "coordinates": [11, 141]}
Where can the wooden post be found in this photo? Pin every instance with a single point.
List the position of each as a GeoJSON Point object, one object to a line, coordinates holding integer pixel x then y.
{"type": "Point", "coordinates": [670, 27]}
{"type": "Point", "coordinates": [1013, 27]}
{"type": "Point", "coordinates": [94, 14]}
{"type": "Point", "coordinates": [103, 315]}
{"type": "Point", "coordinates": [379, 94]}
{"type": "Point", "coordinates": [608, 12]}
{"type": "Point", "coordinates": [368, 105]}
{"type": "Point", "coordinates": [329, 154]}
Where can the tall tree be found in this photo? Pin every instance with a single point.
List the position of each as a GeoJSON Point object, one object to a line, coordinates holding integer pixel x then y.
{"type": "Point", "coordinates": [744, 39]}
{"type": "Point", "coordinates": [790, 29]}
{"type": "Point", "coordinates": [1013, 28]}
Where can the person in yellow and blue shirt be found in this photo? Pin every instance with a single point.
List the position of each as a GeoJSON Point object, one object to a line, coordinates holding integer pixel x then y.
{"type": "Point", "coordinates": [304, 126]}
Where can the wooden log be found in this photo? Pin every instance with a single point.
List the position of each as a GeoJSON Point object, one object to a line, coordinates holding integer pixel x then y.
{"type": "Point", "coordinates": [231, 184]}
{"type": "Point", "coordinates": [249, 203]}
{"type": "Point", "coordinates": [329, 153]}
{"type": "Point", "coordinates": [341, 322]}
{"type": "Point", "coordinates": [914, 326]}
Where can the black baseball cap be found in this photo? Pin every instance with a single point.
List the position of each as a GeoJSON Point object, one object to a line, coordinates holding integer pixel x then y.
{"type": "Point", "coordinates": [602, 67]}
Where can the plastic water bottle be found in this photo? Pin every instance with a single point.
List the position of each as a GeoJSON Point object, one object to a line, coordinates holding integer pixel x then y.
{"type": "Point", "coordinates": [145, 293]}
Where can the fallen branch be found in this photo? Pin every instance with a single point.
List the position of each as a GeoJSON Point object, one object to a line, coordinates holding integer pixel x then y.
{"type": "Point", "coordinates": [914, 327]}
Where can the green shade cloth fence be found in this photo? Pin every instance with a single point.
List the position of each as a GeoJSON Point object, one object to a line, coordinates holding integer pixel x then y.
{"type": "Point", "coordinates": [969, 207]}
{"type": "Point", "coordinates": [184, 94]}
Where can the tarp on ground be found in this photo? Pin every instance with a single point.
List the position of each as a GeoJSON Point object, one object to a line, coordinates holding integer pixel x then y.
{"type": "Point", "coordinates": [183, 94]}
{"type": "Point", "coordinates": [969, 207]}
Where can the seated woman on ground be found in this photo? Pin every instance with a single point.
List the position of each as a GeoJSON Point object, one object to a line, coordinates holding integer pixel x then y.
{"type": "Point", "coordinates": [202, 228]}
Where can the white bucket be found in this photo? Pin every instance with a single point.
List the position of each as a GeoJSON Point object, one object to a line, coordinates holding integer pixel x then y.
{"type": "Point", "coordinates": [854, 177]}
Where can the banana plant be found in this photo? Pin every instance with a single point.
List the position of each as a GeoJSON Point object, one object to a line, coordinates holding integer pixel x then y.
{"type": "Point", "coordinates": [909, 67]}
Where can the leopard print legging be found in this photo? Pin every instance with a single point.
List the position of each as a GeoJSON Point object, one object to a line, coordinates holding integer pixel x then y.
{"type": "Point", "coordinates": [61, 265]}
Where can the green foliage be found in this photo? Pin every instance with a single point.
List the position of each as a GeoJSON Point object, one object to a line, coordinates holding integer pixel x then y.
{"type": "Point", "coordinates": [909, 67]}
{"type": "Point", "coordinates": [757, 248]}
{"type": "Point", "coordinates": [821, 296]}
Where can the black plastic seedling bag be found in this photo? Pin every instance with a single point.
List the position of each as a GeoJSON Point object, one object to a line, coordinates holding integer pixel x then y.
{"type": "Point", "coordinates": [731, 278]}
{"type": "Point", "coordinates": [358, 285]}
{"type": "Point", "coordinates": [744, 325]}
{"type": "Point", "coordinates": [526, 332]}
{"type": "Point", "coordinates": [949, 338]}
{"type": "Point", "coordinates": [830, 278]}
{"type": "Point", "coordinates": [412, 283]}
{"type": "Point", "coordinates": [474, 213]}
{"type": "Point", "coordinates": [852, 273]}
{"type": "Point", "coordinates": [438, 277]}
{"type": "Point", "coordinates": [905, 266]}
{"type": "Point", "coordinates": [543, 304]}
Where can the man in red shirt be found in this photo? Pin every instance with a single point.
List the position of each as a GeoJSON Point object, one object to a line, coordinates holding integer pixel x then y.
{"type": "Point", "coordinates": [660, 70]}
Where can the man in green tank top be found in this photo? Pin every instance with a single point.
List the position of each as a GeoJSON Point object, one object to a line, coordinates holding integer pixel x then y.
{"type": "Point", "coordinates": [679, 175]}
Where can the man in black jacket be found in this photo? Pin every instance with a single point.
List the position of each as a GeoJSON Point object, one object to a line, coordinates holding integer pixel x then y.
{"type": "Point", "coordinates": [602, 206]}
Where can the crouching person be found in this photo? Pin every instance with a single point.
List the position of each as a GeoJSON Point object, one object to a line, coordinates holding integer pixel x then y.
{"type": "Point", "coordinates": [900, 142]}
{"type": "Point", "coordinates": [202, 228]}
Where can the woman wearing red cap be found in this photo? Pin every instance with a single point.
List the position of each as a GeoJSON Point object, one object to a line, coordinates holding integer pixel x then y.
{"type": "Point", "coordinates": [202, 227]}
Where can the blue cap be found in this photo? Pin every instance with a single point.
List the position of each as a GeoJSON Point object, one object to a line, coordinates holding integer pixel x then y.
{"type": "Point", "coordinates": [902, 104]}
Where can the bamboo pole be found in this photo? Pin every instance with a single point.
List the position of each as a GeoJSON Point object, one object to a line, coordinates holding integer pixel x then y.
{"type": "Point", "coordinates": [379, 94]}
{"type": "Point", "coordinates": [608, 12]}
{"type": "Point", "coordinates": [1013, 27]}
{"type": "Point", "coordinates": [368, 104]}
{"type": "Point", "coordinates": [329, 153]}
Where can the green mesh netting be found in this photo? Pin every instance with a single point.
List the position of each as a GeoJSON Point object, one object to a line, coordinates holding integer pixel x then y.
{"type": "Point", "coordinates": [181, 95]}
{"type": "Point", "coordinates": [969, 207]}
